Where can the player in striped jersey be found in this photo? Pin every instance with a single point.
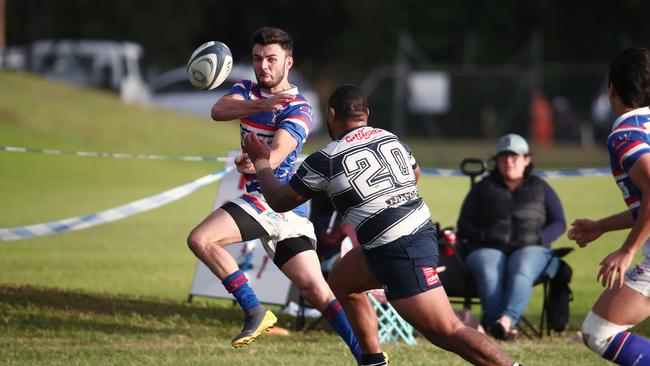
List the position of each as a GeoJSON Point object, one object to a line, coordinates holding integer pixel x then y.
{"type": "Point", "coordinates": [626, 299]}
{"type": "Point", "coordinates": [370, 176]}
{"type": "Point", "coordinates": [273, 110]}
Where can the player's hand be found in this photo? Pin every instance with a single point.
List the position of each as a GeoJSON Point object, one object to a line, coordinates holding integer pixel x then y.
{"type": "Point", "coordinates": [244, 164]}
{"type": "Point", "coordinates": [276, 101]}
{"type": "Point", "coordinates": [612, 266]}
{"type": "Point", "coordinates": [256, 148]}
{"type": "Point", "coordinates": [584, 231]}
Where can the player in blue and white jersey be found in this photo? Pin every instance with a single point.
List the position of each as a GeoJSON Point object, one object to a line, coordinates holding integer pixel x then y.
{"type": "Point", "coordinates": [626, 299]}
{"type": "Point", "coordinates": [273, 110]}
{"type": "Point", "coordinates": [370, 177]}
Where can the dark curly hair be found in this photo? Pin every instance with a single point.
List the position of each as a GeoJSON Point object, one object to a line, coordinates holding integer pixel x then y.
{"type": "Point", "coordinates": [629, 74]}
{"type": "Point", "coordinates": [349, 102]}
{"type": "Point", "coordinates": [270, 35]}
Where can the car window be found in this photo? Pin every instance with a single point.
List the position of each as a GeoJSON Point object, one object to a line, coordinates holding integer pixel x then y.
{"type": "Point", "coordinates": [184, 85]}
{"type": "Point", "coordinates": [66, 63]}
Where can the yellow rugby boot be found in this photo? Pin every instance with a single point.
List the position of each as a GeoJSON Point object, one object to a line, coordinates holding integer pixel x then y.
{"type": "Point", "coordinates": [254, 324]}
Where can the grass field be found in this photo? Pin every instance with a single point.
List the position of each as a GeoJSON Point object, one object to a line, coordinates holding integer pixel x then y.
{"type": "Point", "coordinates": [114, 294]}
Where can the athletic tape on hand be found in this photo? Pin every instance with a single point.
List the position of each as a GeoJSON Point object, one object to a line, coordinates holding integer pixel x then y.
{"type": "Point", "coordinates": [113, 214]}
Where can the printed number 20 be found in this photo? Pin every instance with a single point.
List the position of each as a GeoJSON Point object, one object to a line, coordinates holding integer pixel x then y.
{"type": "Point", "coordinates": [368, 170]}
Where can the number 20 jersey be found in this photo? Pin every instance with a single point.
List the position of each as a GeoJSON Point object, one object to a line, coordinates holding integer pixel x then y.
{"type": "Point", "coordinates": [368, 175]}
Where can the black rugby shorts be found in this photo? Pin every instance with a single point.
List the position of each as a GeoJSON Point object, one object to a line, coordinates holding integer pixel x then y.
{"type": "Point", "coordinates": [406, 266]}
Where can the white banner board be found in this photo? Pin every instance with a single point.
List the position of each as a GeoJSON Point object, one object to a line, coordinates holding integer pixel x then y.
{"type": "Point", "coordinates": [271, 286]}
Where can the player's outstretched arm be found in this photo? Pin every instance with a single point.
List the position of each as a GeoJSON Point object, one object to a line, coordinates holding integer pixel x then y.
{"type": "Point", "coordinates": [281, 197]}
{"type": "Point", "coordinates": [584, 231]}
{"type": "Point", "coordinates": [233, 106]}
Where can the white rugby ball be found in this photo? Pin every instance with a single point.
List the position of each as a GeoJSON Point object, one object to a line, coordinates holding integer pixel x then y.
{"type": "Point", "coordinates": [209, 65]}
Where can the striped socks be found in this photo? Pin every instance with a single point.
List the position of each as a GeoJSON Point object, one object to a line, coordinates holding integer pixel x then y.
{"type": "Point", "coordinates": [628, 349]}
{"type": "Point", "coordinates": [335, 315]}
{"type": "Point", "coordinates": [237, 284]}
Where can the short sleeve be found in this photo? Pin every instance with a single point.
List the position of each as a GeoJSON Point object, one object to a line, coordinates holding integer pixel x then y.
{"type": "Point", "coordinates": [312, 176]}
{"type": "Point", "coordinates": [627, 146]}
{"type": "Point", "coordinates": [298, 121]}
{"type": "Point", "coordinates": [414, 164]}
{"type": "Point", "coordinates": [241, 88]}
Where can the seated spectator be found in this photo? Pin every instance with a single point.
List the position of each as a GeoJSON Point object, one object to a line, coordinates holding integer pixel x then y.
{"type": "Point", "coordinates": [507, 224]}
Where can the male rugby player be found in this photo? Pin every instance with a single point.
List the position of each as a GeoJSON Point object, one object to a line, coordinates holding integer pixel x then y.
{"type": "Point", "coordinates": [626, 299]}
{"type": "Point", "coordinates": [273, 110]}
{"type": "Point", "coordinates": [371, 179]}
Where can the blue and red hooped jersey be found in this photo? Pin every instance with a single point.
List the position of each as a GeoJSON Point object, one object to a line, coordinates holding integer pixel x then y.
{"type": "Point", "coordinates": [629, 140]}
{"type": "Point", "coordinates": [294, 117]}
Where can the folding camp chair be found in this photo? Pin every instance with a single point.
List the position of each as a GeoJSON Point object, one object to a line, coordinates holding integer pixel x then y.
{"type": "Point", "coordinates": [460, 288]}
{"type": "Point", "coordinates": [392, 327]}
{"type": "Point", "coordinates": [457, 279]}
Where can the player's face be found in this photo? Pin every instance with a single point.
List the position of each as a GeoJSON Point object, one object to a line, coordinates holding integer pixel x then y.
{"type": "Point", "coordinates": [512, 166]}
{"type": "Point", "coordinates": [271, 64]}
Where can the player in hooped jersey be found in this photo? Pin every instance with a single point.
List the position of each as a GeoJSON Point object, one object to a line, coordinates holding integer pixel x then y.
{"type": "Point", "coordinates": [370, 176]}
{"type": "Point", "coordinates": [626, 299]}
{"type": "Point", "coordinates": [273, 110]}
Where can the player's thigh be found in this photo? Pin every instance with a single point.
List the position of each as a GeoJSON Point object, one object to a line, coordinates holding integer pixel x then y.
{"type": "Point", "coordinates": [303, 267]}
{"type": "Point", "coordinates": [351, 274]}
{"type": "Point", "coordinates": [227, 224]}
{"type": "Point", "coordinates": [622, 306]}
{"type": "Point", "coordinates": [429, 312]}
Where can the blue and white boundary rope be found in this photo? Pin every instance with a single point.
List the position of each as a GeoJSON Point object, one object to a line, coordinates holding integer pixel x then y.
{"type": "Point", "coordinates": [563, 173]}
{"type": "Point", "coordinates": [96, 154]}
{"type": "Point", "coordinates": [113, 214]}
{"type": "Point", "coordinates": [438, 172]}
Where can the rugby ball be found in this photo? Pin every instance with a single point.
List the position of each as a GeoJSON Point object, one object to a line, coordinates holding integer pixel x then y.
{"type": "Point", "coordinates": [209, 65]}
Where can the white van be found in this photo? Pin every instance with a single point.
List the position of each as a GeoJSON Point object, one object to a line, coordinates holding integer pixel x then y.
{"type": "Point", "coordinates": [111, 65]}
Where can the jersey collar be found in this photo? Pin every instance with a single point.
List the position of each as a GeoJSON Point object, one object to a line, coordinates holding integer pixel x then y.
{"type": "Point", "coordinates": [293, 91]}
{"type": "Point", "coordinates": [626, 115]}
{"type": "Point", "coordinates": [348, 131]}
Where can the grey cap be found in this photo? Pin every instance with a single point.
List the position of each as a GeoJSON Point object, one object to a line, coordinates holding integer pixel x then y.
{"type": "Point", "coordinates": [513, 143]}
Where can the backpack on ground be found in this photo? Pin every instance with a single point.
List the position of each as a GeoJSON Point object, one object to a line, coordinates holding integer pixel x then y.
{"type": "Point", "coordinates": [560, 296]}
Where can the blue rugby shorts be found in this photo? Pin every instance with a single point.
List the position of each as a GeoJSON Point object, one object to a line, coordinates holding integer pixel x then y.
{"type": "Point", "coordinates": [406, 266]}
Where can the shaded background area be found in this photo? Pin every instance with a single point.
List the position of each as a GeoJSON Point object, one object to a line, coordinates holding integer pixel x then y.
{"type": "Point", "coordinates": [494, 57]}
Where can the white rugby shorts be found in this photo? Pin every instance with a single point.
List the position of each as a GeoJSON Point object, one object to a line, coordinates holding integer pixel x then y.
{"type": "Point", "coordinates": [638, 277]}
{"type": "Point", "coordinates": [280, 226]}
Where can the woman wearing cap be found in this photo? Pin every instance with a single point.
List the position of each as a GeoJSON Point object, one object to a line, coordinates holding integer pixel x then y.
{"type": "Point", "coordinates": [507, 224]}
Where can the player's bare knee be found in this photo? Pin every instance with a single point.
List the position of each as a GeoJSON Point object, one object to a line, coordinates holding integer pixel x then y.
{"type": "Point", "coordinates": [197, 242]}
{"type": "Point", "coordinates": [193, 242]}
{"type": "Point", "coordinates": [446, 332]}
{"type": "Point", "coordinates": [315, 294]}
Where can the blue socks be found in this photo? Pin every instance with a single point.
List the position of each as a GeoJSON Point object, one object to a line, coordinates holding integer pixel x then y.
{"type": "Point", "coordinates": [628, 349]}
{"type": "Point", "coordinates": [237, 284]}
{"type": "Point", "coordinates": [335, 315]}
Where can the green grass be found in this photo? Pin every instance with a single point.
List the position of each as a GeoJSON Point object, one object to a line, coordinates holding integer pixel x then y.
{"type": "Point", "coordinates": [114, 294]}
{"type": "Point", "coordinates": [62, 327]}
